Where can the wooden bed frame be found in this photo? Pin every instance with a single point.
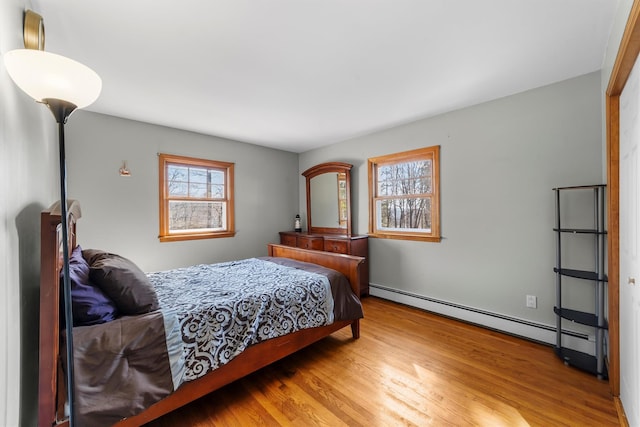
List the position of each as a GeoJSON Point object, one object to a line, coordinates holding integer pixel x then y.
{"type": "Point", "coordinates": [51, 391]}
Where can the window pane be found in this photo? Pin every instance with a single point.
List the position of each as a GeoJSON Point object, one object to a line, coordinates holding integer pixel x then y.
{"type": "Point", "coordinates": [405, 178]}
{"type": "Point", "coordinates": [178, 188]}
{"type": "Point", "coordinates": [196, 215]}
{"type": "Point", "coordinates": [410, 214]}
{"type": "Point", "coordinates": [198, 190]}
{"type": "Point", "coordinates": [217, 191]}
{"type": "Point", "coordinates": [177, 178]}
{"type": "Point", "coordinates": [216, 176]}
{"type": "Point", "coordinates": [178, 173]}
{"type": "Point", "coordinates": [198, 175]}
{"type": "Point", "coordinates": [217, 184]}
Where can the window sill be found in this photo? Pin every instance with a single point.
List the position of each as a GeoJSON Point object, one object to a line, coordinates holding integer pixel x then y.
{"type": "Point", "coordinates": [195, 236]}
{"type": "Point", "coordinates": [406, 236]}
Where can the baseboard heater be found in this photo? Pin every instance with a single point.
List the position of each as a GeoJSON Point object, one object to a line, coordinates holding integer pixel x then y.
{"type": "Point", "coordinates": [527, 329]}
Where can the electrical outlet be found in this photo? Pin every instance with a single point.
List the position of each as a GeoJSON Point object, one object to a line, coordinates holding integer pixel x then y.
{"type": "Point", "coordinates": [532, 301]}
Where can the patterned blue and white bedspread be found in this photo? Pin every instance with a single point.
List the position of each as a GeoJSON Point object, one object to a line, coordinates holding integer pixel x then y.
{"type": "Point", "coordinates": [224, 308]}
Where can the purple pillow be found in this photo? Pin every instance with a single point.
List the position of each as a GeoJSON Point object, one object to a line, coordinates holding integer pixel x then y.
{"type": "Point", "coordinates": [89, 305]}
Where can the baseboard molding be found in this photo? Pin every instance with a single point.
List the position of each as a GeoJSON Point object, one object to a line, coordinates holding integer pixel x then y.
{"type": "Point", "coordinates": [511, 325]}
{"type": "Point", "coordinates": [622, 417]}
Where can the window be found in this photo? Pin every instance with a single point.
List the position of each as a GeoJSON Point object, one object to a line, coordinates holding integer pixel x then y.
{"type": "Point", "coordinates": [404, 195]}
{"type": "Point", "coordinates": [196, 198]}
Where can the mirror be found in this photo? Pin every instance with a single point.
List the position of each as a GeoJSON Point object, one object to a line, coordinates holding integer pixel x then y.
{"type": "Point", "coordinates": [329, 198]}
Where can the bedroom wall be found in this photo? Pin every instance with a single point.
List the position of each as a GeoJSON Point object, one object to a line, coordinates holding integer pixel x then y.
{"type": "Point", "coordinates": [120, 214]}
{"type": "Point", "coordinates": [28, 183]}
{"type": "Point", "coordinates": [499, 163]}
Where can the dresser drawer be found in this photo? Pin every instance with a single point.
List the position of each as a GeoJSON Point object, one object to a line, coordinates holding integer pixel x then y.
{"type": "Point", "coordinates": [309, 242]}
{"type": "Point", "coordinates": [338, 246]}
{"type": "Point", "coordinates": [289, 240]}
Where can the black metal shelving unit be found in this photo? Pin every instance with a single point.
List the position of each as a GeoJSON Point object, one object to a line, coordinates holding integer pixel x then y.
{"type": "Point", "coordinates": [597, 278]}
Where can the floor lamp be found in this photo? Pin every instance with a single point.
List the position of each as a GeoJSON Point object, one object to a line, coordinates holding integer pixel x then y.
{"type": "Point", "coordinates": [62, 85]}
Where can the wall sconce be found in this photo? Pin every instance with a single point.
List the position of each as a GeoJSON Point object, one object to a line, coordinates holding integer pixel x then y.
{"type": "Point", "coordinates": [33, 32]}
{"type": "Point", "coordinates": [62, 85]}
{"type": "Point", "coordinates": [123, 169]}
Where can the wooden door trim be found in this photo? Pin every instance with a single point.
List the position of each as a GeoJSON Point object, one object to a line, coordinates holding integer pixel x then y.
{"type": "Point", "coordinates": [626, 58]}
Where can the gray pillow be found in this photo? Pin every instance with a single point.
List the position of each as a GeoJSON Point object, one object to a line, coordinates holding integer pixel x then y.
{"type": "Point", "coordinates": [122, 281]}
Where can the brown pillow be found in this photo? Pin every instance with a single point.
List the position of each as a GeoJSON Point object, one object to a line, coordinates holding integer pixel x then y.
{"type": "Point", "coordinates": [122, 281]}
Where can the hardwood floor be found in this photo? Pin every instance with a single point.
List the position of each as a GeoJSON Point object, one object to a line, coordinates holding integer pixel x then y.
{"type": "Point", "coordinates": [409, 368]}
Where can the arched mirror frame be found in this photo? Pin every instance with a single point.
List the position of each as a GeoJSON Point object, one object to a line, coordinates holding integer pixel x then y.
{"type": "Point", "coordinates": [329, 167]}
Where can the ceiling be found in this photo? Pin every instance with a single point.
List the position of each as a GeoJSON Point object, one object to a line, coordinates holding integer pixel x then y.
{"type": "Point", "coordinates": [300, 74]}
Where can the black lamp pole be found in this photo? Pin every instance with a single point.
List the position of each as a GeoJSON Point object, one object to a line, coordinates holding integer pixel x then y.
{"type": "Point", "coordinates": [61, 111]}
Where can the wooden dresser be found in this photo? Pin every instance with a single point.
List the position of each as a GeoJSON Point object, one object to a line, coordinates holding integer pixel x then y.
{"type": "Point", "coordinates": [350, 245]}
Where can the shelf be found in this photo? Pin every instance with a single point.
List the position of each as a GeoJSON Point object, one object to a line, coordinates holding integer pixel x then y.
{"type": "Point", "coordinates": [579, 231]}
{"type": "Point", "coordinates": [580, 274]}
{"type": "Point", "coordinates": [582, 361]}
{"type": "Point", "coordinates": [580, 187]}
{"type": "Point", "coordinates": [594, 317]}
{"type": "Point", "coordinates": [581, 317]}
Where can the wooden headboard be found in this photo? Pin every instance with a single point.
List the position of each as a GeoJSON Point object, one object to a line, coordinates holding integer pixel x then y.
{"type": "Point", "coordinates": [51, 384]}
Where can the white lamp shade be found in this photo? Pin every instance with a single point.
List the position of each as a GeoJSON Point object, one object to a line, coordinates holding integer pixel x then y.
{"type": "Point", "coordinates": [45, 75]}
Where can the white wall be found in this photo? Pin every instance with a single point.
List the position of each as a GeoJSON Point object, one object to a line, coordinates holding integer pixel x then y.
{"type": "Point", "coordinates": [120, 214]}
{"type": "Point", "coordinates": [499, 163]}
{"type": "Point", "coordinates": [28, 183]}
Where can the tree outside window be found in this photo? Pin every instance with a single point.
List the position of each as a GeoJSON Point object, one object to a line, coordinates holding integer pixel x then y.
{"type": "Point", "coordinates": [404, 195]}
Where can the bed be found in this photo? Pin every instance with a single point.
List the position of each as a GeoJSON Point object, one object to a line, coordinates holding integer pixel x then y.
{"type": "Point", "coordinates": [186, 383]}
